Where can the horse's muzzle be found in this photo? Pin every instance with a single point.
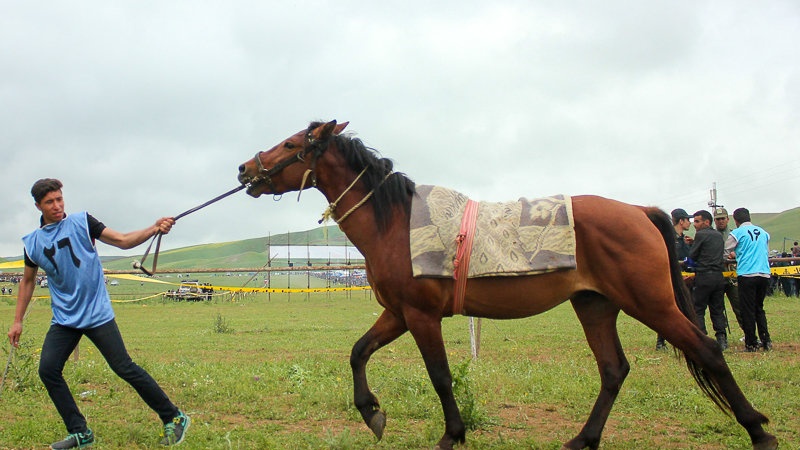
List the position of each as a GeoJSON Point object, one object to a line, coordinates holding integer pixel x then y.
{"type": "Point", "coordinates": [251, 182]}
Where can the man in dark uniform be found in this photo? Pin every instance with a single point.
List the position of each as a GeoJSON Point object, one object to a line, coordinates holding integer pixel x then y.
{"type": "Point", "coordinates": [721, 223]}
{"type": "Point", "coordinates": [709, 285]}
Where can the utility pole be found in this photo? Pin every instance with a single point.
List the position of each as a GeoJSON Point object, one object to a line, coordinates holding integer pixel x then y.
{"type": "Point", "coordinates": [713, 202]}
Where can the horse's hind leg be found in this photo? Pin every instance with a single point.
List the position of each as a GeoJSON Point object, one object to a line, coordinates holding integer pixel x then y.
{"type": "Point", "coordinates": [599, 319]}
{"type": "Point", "coordinates": [707, 364]}
{"type": "Point", "coordinates": [386, 329]}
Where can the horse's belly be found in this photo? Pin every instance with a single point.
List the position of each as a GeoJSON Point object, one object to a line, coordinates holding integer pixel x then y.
{"type": "Point", "coordinates": [517, 297]}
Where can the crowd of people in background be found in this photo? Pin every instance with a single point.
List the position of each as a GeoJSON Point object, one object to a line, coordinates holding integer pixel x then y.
{"type": "Point", "coordinates": [717, 248]}
{"type": "Point", "coordinates": [788, 286]}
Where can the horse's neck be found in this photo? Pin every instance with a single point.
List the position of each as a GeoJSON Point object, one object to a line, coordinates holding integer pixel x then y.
{"type": "Point", "coordinates": [361, 229]}
{"type": "Point", "coordinates": [352, 227]}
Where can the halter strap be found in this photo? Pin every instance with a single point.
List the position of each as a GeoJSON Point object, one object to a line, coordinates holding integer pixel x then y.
{"type": "Point", "coordinates": [328, 213]}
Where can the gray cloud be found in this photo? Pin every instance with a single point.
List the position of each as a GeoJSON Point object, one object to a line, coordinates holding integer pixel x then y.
{"type": "Point", "coordinates": [146, 109]}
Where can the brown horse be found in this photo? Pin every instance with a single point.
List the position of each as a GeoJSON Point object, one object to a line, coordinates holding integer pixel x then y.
{"type": "Point", "coordinates": [371, 204]}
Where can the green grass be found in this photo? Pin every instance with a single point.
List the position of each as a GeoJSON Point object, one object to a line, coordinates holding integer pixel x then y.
{"type": "Point", "coordinates": [279, 377]}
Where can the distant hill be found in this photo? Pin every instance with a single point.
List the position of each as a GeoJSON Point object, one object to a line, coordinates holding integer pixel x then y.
{"type": "Point", "coordinates": [783, 228]}
{"type": "Point", "coordinates": [237, 254]}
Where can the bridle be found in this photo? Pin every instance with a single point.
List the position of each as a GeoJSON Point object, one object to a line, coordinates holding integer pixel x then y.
{"type": "Point", "coordinates": [311, 144]}
{"type": "Point", "coordinates": [317, 147]}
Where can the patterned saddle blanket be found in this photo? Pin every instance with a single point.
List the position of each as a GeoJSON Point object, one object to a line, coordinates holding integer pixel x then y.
{"type": "Point", "coordinates": [525, 237]}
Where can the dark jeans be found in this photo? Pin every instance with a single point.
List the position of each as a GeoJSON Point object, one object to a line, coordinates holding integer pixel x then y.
{"type": "Point", "coordinates": [709, 292]}
{"type": "Point", "coordinates": [59, 343]}
{"type": "Point", "coordinates": [752, 291]}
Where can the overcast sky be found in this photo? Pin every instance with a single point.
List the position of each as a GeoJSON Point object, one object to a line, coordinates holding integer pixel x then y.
{"type": "Point", "coordinates": [145, 109]}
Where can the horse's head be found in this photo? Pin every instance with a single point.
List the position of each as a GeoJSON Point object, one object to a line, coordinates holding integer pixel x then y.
{"type": "Point", "coordinates": [286, 166]}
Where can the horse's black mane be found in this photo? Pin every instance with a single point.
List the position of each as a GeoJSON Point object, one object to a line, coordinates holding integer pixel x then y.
{"type": "Point", "coordinates": [389, 192]}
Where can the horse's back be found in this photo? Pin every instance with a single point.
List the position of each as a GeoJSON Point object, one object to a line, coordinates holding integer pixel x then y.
{"type": "Point", "coordinates": [619, 253]}
{"type": "Point", "coordinates": [612, 233]}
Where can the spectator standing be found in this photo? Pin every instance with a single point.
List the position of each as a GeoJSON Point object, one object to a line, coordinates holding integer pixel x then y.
{"type": "Point", "coordinates": [64, 248]}
{"type": "Point", "coordinates": [681, 222]}
{"type": "Point", "coordinates": [709, 285]}
{"type": "Point", "coordinates": [749, 244]}
{"type": "Point", "coordinates": [796, 250]}
{"type": "Point", "coordinates": [786, 283]}
{"type": "Point", "coordinates": [722, 224]}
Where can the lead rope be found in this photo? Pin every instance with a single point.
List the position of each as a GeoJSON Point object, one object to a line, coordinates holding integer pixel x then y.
{"type": "Point", "coordinates": [157, 237]}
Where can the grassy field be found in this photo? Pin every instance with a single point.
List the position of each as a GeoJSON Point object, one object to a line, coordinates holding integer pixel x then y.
{"type": "Point", "coordinates": [273, 373]}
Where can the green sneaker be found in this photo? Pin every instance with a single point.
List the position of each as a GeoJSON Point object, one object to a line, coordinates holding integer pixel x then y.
{"type": "Point", "coordinates": [75, 440]}
{"type": "Point", "coordinates": [175, 430]}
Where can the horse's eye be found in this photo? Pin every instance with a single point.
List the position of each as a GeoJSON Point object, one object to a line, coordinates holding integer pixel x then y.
{"type": "Point", "coordinates": [288, 145]}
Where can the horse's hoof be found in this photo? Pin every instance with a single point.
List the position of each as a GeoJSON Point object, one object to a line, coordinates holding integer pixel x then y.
{"type": "Point", "coordinates": [770, 444]}
{"type": "Point", "coordinates": [377, 423]}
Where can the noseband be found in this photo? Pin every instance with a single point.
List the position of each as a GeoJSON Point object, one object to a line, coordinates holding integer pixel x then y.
{"type": "Point", "coordinates": [311, 145]}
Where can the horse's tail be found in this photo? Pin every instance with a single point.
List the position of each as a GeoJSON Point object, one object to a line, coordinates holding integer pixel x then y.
{"type": "Point", "coordinates": [683, 298]}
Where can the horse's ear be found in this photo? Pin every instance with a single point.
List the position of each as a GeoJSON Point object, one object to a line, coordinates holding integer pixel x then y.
{"type": "Point", "coordinates": [339, 128]}
{"type": "Point", "coordinates": [326, 130]}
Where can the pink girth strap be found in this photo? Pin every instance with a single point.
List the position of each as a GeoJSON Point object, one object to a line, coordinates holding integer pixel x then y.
{"type": "Point", "coordinates": [464, 242]}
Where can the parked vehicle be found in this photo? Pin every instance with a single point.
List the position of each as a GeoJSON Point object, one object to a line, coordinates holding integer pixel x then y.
{"type": "Point", "coordinates": [191, 291]}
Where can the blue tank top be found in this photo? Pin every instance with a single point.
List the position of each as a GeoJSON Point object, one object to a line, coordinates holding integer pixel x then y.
{"type": "Point", "coordinates": [66, 252]}
{"type": "Point", "coordinates": [752, 250]}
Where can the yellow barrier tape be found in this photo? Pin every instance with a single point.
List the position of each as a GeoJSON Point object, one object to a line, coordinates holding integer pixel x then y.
{"type": "Point", "coordinates": [35, 297]}
{"type": "Point", "coordinates": [777, 271]}
{"type": "Point", "coordinates": [12, 264]}
{"type": "Point", "coordinates": [223, 290]}
{"type": "Point", "coordinates": [238, 289]}
{"type": "Point", "coordinates": [137, 299]}
{"type": "Point", "coordinates": [784, 271]}
{"type": "Point", "coordinates": [293, 290]}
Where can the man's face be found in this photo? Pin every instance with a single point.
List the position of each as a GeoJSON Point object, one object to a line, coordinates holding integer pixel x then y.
{"type": "Point", "coordinates": [700, 223]}
{"type": "Point", "coordinates": [52, 207]}
{"type": "Point", "coordinates": [685, 224]}
{"type": "Point", "coordinates": [721, 223]}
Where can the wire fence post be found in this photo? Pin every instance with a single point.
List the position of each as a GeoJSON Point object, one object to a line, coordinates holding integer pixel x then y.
{"type": "Point", "coordinates": [474, 337]}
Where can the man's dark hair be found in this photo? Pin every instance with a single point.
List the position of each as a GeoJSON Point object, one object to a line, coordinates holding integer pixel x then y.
{"type": "Point", "coordinates": [44, 187]}
{"type": "Point", "coordinates": [741, 215]}
{"type": "Point", "coordinates": [705, 215]}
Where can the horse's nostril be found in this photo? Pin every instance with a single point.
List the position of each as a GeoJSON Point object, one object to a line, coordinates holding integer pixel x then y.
{"type": "Point", "coordinates": [241, 168]}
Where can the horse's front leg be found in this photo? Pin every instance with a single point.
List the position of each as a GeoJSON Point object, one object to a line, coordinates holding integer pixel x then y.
{"type": "Point", "coordinates": [427, 332]}
{"type": "Point", "coordinates": [599, 319]}
{"type": "Point", "coordinates": [386, 329]}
